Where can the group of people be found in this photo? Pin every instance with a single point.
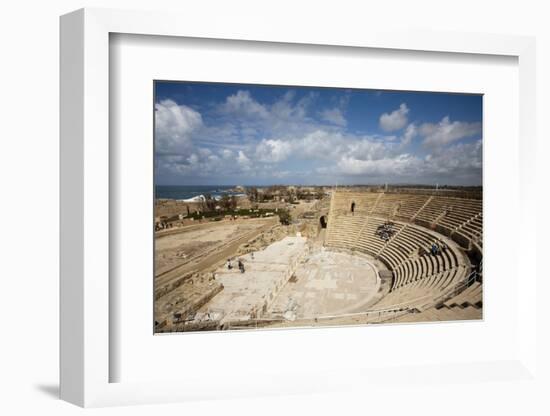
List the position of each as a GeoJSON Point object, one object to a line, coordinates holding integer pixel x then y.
{"type": "Point", "coordinates": [385, 231]}
{"type": "Point", "coordinates": [240, 265]}
{"type": "Point", "coordinates": [437, 248]}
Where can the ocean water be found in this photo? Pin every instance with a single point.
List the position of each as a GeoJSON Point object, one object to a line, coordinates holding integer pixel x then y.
{"type": "Point", "coordinates": [187, 192]}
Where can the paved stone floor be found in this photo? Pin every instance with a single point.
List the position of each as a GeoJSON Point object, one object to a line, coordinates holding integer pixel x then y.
{"type": "Point", "coordinates": [327, 283]}
{"type": "Point", "coordinates": [246, 295]}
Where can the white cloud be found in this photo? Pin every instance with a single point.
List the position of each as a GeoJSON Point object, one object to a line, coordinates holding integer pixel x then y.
{"type": "Point", "coordinates": [334, 116]}
{"type": "Point", "coordinates": [244, 105]}
{"type": "Point", "coordinates": [273, 151]}
{"type": "Point", "coordinates": [285, 110]}
{"type": "Point", "coordinates": [365, 149]}
{"type": "Point", "coordinates": [446, 132]}
{"type": "Point", "coordinates": [410, 133]}
{"type": "Point", "coordinates": [226, 154]}
{"type": "Point", "coordinates": [458, 159]}
{"type": "Point", "coordinates": [229, 147]}
{"type": "Point", "coordinates": [204, 163]}
{"type": "Point", "coordinates": [243, 161]}
{"type": "Point", "coordinates": [378, 161]}
{"type": "Point", "coordinates": [403, 164]}
{"type": "Point", "coordinates": [247, 119]}
{"type": "Point", "coordinates": [395, 120]}
{"type": "Point", "coordinates": [204, 152]}
{"type": "Point", "coordinates": [319, 144]}
{"type": "Point", "coordinates": [174, 125]}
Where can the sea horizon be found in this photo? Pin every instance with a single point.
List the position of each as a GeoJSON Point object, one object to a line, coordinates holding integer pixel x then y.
{"type": "Point", "coordinates": [185, 192]}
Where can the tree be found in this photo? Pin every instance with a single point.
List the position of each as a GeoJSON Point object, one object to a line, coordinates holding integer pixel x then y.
{"type": "Point", "coordinates": [284, 216]}
{"type": "Point", "coordinates": [233, 202]}
{"type": "Point", "coordinates": [252, 194]}
{"type": "Point", "coordinates": [209, 203]}
{"type": "Point", "coordinates": [320, 193]}
{"type": "Point", "coordinates": [225, 202]}
{"type": "Point", "coordinates": [291, 195]}
{"type": "Point", "coordinates": [228, 203]}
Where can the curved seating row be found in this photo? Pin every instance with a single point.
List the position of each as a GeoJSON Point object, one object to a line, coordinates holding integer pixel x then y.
{"type": "Point", "coordinates": [449, 216]}
{"type": "Point", "coordinates": [388, 204]}
{"type": "Point", "coordinates": [473, 229]}
{"type": "Point", "coordinates": [343, 230]}
{"type": "Point", "coordinates": [465, 305]}
{"type": "Point", "coordinates": [402, 206]}
{"type": "Point", "coordinates": [421, 292]}
{"type": "Point", "coordinates": [449, 213]}
{"type": "Point", "coordinates": [419, 278]}
{"type": "Point", "coordinates": [400, 253]}
{"type": "Point", "coordinates": [369, 241]}
{"type": "Point", "coordinates": [364, 202]}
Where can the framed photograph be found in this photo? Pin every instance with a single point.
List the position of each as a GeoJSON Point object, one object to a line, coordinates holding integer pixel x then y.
{"type": "Point", "coordinates": [290, 206]}
{"type": "Point", "coordinates": [286, 213]}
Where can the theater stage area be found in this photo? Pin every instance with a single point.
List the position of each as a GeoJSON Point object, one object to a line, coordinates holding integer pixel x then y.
{"type": "Point", "coordinates": [328, 283]}
{"type": "Point", "coordinates": [289, 280]}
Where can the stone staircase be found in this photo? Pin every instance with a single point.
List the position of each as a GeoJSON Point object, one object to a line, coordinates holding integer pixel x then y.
{"type": "Point", "coordinates": [421, 208]}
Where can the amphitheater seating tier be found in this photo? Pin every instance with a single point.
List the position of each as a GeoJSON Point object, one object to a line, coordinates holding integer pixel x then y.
{"type": "Point", "coordinates": [465, 305]}
{"type": "Point", "coordinates": [472, 296]}
{"type": "Point", "coordinates": [421, 292]}
{"type": "Point", "coordinates": [388, 204]}
{"type": "Point", "coordinates": [450, 213]}
{"type": "Point", "coordinates": [447, 215]}
{"type": "Point", "coordinates": [473, 229]}
{"type": "Point", "coordinates": [410, 206]}
{"type": "Point", "coordinates": [400, 206]}
{"type": "Point", "coordinates": [364, 202]}
{"type": "Point", "coordinates": [418, 277]}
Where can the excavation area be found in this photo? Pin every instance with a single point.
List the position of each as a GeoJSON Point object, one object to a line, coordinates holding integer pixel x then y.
{"type": "Point", "coordinates": [288, 280]}
{"type": "Point", "coordinates": [249, 290]}
{"type": "Point", "coordinates": [197, 241]}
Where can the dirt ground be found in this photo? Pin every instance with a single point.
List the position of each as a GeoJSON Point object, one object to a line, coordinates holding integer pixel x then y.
{"type": "Point", "coordinates": [177, 249]}
{"type": "Point", "coordinates": [186, 257]}
{"type": "Point", "coordinates": [296, 210]}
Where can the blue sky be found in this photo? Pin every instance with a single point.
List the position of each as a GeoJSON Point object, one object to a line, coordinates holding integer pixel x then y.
{"type": "Point", "coordinates": [239, 134]}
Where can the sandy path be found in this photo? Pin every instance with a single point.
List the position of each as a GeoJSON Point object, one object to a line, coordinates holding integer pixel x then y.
{"type": "Point", "coordinates": [217, 255]}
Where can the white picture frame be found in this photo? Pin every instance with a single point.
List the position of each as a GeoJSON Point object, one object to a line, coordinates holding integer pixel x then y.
{"type": "Point", "coordinates": [85, 354]}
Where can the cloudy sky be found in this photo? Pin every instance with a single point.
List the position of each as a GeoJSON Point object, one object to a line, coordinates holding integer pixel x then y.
{"type": "Point", "coordinates": [238, 134]}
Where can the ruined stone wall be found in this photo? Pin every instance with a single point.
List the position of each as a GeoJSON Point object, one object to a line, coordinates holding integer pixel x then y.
{"type": "Point", "coordinates": [179, 306]}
